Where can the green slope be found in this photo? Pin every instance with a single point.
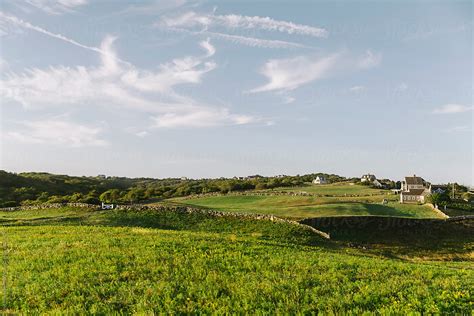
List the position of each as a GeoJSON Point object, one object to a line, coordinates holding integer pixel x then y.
{"type": "Point", "coordinates": [302, 207]}
{"type": "Point", "coordinates": [79, 261]}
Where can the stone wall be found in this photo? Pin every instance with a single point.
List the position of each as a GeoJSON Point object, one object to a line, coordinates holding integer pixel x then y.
{"type": "Point", "coordinates": [275, 193]}
{"type": "Point", "coordinates": [215, 213]}
{"type": "Point", "coordinates": [49, 205]}
{"type": "Point", "coordinates": [167, 208]}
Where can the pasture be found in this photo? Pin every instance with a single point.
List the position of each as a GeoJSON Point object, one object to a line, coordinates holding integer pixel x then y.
{"type": "Point", "coordinates": [309, 206]}
{"type": "Point", "coordinates": [80, 261]}
{"type": "Point", "coordinates": [337, 189]}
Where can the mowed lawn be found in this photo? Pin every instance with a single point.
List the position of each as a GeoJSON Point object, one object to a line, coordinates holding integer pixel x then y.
{"type": "Point", "coordinates": [337, 189]}
{"type": "Point", "coordinates": [303, 207]}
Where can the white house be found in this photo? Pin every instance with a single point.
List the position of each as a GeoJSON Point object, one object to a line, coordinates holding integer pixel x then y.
{"type": "Point", "coordinates": [320, 180]}
{"type": "Point", "coordinates": [368, 178]}
{"type": "Point", "coordinates": [414, 190]}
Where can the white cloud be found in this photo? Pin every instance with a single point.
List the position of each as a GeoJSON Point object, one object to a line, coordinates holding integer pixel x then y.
{"type": "Point", "coordinates": [233, 21]}
{"type": "Point", "coordinates": [452, 109]}
{"type": "Point", "coordinates": [289, 74]}
{"type": "Point", "coordinates": [57, 131]}
{"type": "Point", "coordinates": [6, 18]}
{"type": "Point", "coordinates": [369, 60]}
{"type": "Point", "coordinates": [252, 41]}
{"type": "Point", "coordinates": [56, 6]}
{"type": "Point", "coordinates": [122, 85]}
{"type": "Point", "coordinates": [357, 89]}
{"type": "Point", "coordinates": [202, 118]}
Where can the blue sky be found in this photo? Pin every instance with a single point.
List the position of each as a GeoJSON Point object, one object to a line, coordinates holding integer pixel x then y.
{"type": "Point", "coordinates": [224, 88]}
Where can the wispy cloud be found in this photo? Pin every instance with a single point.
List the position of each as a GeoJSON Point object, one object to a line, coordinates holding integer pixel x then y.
{"type": "Point", "coordinates": [369, 60]}
{"type": "Point", "coordinates": [57, 131]}
{"type": "Point", "coordinates": [56, 6]}
{"type": "Point", "coordinates": [202, 118]}
{"type": "Point", "coordinates": [452, 109]}
{"type": "Point", "coordinates": [252, 41]}
{"type": "Point", "coordinates": [124, 85]}
{"type": "Point", "coordinates": [24, 24]}
{"type": "Point", "coordinates": [233, 21]}
{"type": "Point", "coordinates": [289, 74]}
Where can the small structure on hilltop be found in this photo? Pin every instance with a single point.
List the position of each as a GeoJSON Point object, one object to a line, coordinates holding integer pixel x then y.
{"type": "Point", "coordinates": [368, 178]}
{"type": "Point", "coordinates": [372, 179]}
{"type": "Point", "coordinates": [320, 180]}
{"type": "Point", "coordinates": [414, 190]}
{"type": "Point", "coordinates": [438, 188]}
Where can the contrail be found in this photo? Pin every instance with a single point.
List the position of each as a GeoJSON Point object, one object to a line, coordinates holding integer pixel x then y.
{"type": "Point", "coordinates": [14, 20]}
{"type": "Point", "coordinates": [244, 40]}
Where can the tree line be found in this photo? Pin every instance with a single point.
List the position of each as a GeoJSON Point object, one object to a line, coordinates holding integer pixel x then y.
{"type": "Point", "coordinates": [34, 187]}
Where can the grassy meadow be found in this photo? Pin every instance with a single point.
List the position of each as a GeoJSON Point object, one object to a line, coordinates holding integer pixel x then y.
{"type": "Point", "coordinates": [309, 206]}
{"type": "Point", "coordinates": [336, 189]}
{"type": "Point", "coordinates": [80, 261]}
{"type": "Point", "coordinates": [339, 199]}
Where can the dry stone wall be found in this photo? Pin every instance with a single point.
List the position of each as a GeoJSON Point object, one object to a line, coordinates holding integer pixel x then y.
{"type": "Point", "coordinates": [167, 208]}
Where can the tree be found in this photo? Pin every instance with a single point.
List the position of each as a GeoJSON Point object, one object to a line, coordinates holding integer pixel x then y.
{"type": "Point", "coordinates": [110, 196]}
{"type": "Point", "coordinates": [438, 198]}
{"type": "Point", "coordinates": [43, 197]}
{"type": "Point", "coordinates": [134, 195]}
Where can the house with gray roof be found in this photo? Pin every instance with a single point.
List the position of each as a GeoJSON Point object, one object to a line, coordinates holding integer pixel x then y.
{"type": "Point", "coordinates": [414, 190]}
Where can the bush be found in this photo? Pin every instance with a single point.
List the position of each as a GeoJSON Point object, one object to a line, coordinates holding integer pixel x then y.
{"type": "Point", "coordinates": [9, 204]}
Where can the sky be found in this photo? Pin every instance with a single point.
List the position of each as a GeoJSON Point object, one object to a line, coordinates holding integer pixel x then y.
{"type": "Point", "coordinates": [202, 89]}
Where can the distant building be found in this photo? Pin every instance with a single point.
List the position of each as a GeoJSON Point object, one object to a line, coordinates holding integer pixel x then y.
{"type": "Point", "coordinates": [368, 178]}
{"type": "Point", "coordinates": [436, 188]}
{"type": "Point", "coordinates": [102, 176]}
{"type": "Point", "coordinates": [253, 177]}
{"type": "Point", "coordinates": [320, 180]}
{"type": "Point", "coordinates": [184, 178]}
{"type": "Point", "coordinates": [414, 190]}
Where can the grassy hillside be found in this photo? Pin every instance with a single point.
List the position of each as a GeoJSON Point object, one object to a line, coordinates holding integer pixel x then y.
{"type": "Point", "coordinates": [339, 189]}
{"type": "Point", "coordinates": [303, 206]}
{"type": "Point", "coordinates": [81, 261]}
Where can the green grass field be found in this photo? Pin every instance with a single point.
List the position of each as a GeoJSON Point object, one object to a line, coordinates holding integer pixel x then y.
{"type": "Point", "coordinates": [78, 261]}
{"type": "Point", "coordinates": [338, 189]}
{"type": "Point", "coordinates": [302, 207]}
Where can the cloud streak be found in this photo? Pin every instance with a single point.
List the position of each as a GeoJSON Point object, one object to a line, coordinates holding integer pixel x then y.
{"type": "Point", "coordinates": [233, 21]}
{"type": "Point", "coordinates": [255, 42]}
{"type": "Point", "coordinates": [24, 24]}
{"type": "Point", "coordinates": [56, 6]}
